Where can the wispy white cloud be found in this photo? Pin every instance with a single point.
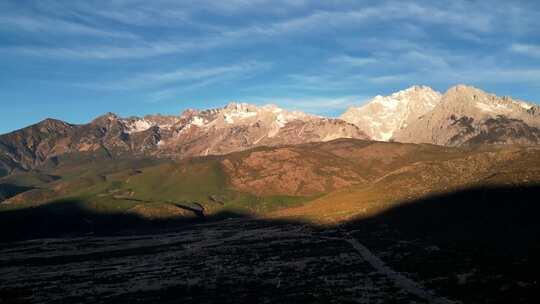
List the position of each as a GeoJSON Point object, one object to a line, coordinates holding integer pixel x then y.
{"type": "Point", "coordinates": [352, 61]}
{"type": "Point", "coordinates": [427, 58]}
{"type": "Point", "coordinates": [387, 79]}
{"type": "Point", "coordinates": [241, 6]}
{"type": "Point", "coordinates": [242, 35]}
{"type": "Point", "coordinates": [416, 65]}
{"type": "Point", "coordinates": [389, 11]}
{"type": "Point", "coordinates": [526, 49]}
{"type": "Point", "coordinates": [145, 16]}
{"type": "Point", "coordinates": [494, 75]}
{"type": "Point", "coordinates": [371, 54]}
{"type": "Point", "coordinates": [138, 50]}
{"type": "Point", "coordinates": [458, 16]}
{"type": "Point", "coordinates": [183, 77]}
{"type": "Point", "coordinates": [57, 26]}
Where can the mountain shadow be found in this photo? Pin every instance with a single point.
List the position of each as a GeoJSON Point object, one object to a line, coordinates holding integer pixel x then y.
{"type": "Point", "coordinates": [9, 190]}
{"type": "Point", "coordinates": [69, 218]}
{"type": "Point", "coordinates": [477, 245]}
{"type": "Point", "coordinates": [501, 218]}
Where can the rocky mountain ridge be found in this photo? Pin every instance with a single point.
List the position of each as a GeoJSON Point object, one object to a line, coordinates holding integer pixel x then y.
{"type": "Point", "coordinates": [467, 115]}
{"type": "Point", "coordinates": [235, 127]}
{"type": "Point", "coordinates": [382, 116]}
{"type": "Point", "coordinates": [462, 116]}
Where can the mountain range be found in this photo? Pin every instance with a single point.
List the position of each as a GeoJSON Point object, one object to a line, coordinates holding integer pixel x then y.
{"type": "Point", "coordinates": [462, 116]}
{"type": "Point", "coordinates": [233, 128]}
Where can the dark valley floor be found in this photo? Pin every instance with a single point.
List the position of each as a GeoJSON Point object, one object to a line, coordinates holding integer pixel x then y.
{"type": "Point", "coordinates": [473, 246]}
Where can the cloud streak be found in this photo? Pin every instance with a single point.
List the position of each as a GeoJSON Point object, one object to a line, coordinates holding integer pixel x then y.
{"type": "Point", "coordinates": [526, 49]}
{"type": "Point", "coordinates": [184, 77]}
{"type": "Point", "coordinates": [352, 61]}
{"type": "Point", "coordinates": [305, 24]}
{"type": "Point", "coordinates": [58, 27]}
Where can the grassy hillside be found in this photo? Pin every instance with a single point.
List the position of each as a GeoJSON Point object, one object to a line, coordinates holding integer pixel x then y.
{"type": "Point", "coordinates": [433, 174]}
{"type": "Point", "coordinates": [322, 182]}
{"type": "Point", "coordinates": [149, 188]}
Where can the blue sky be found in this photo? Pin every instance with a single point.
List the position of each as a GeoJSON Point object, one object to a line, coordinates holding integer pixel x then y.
{"type": "Point", "coordinates": [75, 60]}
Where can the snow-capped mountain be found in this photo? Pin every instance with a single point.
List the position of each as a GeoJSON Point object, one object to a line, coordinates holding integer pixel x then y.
{"type": "Point", "coordinates": [466, 115]}
{"type": "Point", "coordinates": [136, 124]}
{"type": "Point", "coordinates": [234, 114]}
{"type": "Point", "coordinates": [236, 127]}
{"type": "Point", "coordinates": [243, 114]}
{"type": "Point", "coordinates": [240, 126]}
{"type": "Point", "coordinates": [382, 116]}
{"type": "Point", "coordinates": [462, 116]}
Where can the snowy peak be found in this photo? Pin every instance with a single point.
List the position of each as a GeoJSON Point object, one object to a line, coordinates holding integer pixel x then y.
{"type": "Point", "coordinates": [467, 115]}
{"type": "Point", "coordinates": [233, 115]}
{"type": "Point", "coordinates": [382, 116]}
{"type": "Point", "coordinates": [136, 124]}
{"type": "Point", "coordinates": [488, 104]}
{"type": "Point", "coordinates": [244, 110]}
{"type": "Point", "coordinates": [238, 112]}
{"type": "Point", "coordinates": [418, 94]}
{"type": "Point", "coordinates": [239, 126]}
{"type": "Point", "coordinates": [243, 114]}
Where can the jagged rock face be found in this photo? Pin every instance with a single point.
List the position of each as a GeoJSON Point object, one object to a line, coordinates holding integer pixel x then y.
{"type": "Point", "coordinates": [241, 126]}
{"type": "Point", "coordinates": [29, 147]}
{"type": "Point", "coordinates": [462, 116]}
{"type": "Point", "coordinates": [136, 124]}
{"type": "Point", "coordinates": [502, 130]}
{"type": "Point", "coordinates": [194, 133]}
{"type": "Point", "coordinates": [381, 117]}
{"type": "Point", "coordinates": [467, 115]}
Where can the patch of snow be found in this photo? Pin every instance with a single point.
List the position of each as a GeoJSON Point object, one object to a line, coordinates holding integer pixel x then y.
{"type": "Point", "coordinates": [387, 102]}
{"type": "Point", "coordinates": [371, 122]}
{"type": "Point", "coordinates": [138, 126]}
{"type": "Point", "coordinates": [281, 120]}
{"type": "Point", "coordinates": [485, 107]}
{"type": "Point", "coordinates": [524, 105]}
{"type": "Point", "coordinates": [238, 113]}
{"type": "Point", "coordinates": [385, 136]}
{"type": "Point", "coordinates": [503, 107]}
{"type": "Point", "coordinates": [392, 112]}
{"type": "Point", "coordinates": [228, 119]}
{"type": "Point", "coordinates": [242, 115]}
{"type": "Point", "coordinates": [492, 108]}
{"type": "Point", "coordinates": [198, 121]}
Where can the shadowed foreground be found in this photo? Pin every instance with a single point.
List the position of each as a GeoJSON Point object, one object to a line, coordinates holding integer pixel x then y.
{"type": "Point", "coordinates": [474, 246]}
